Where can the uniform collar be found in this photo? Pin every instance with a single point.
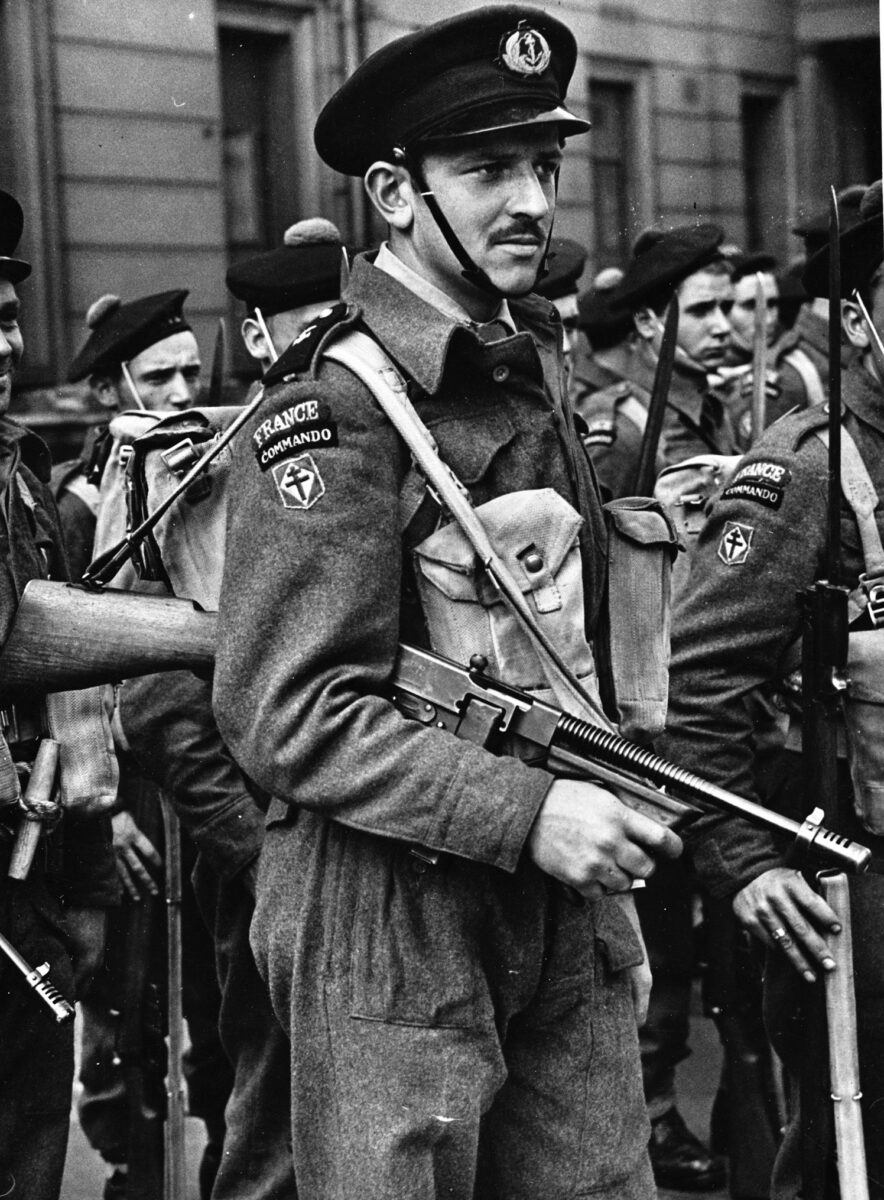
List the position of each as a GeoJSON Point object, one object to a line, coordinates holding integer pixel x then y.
{"type": "Point", "coordinates": [687, 388]}
{"type": "Point", "coordinates": [418, 334]}
{"type": "Point", "coordinates": [387, 261]}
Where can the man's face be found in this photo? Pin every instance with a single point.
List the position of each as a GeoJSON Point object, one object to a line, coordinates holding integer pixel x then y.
{"type": "Point", "coordinates": [167, 374]}
{"type": "Point", "coordinates": [703, 327]}
{"type": "Point", "coordinates": [497, 192]}
{"type": "Point", "coordinates": [11, 343]}
{"type": "Point", "coordinates": [742, 314]}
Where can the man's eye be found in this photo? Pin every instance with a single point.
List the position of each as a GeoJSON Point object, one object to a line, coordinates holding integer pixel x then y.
{"type": "Point", "coordinates": [727, 305]}
{"type": "Point", "coordinates": [192, 373]}
{"type": "Point", "coordinates": [546, 170]}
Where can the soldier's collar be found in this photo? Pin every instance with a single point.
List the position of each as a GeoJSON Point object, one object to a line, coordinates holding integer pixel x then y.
{"type": "Point", "coordinates": [417, 335]}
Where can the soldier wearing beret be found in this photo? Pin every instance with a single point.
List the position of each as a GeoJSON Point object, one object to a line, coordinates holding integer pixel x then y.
{"type": "Point", "coordinates": [800, 359]}
{"type": "Point", "coordinates": [459, 1025]}
{"type": "Point", "coordinates": [735, 629]}
{"type": "Point", "coordinates": [685, 261]}
{"type": "Point", "coordinates": [287, 288]}
{"type": "Point", "coordinates": [143, 354]}
{"type": "Point", "coordinates": [57, 914]}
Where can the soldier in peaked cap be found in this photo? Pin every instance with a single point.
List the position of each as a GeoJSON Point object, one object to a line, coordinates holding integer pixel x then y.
{"type": "Point", "coordinates": [684, 261]}
{"type": "Point", "coordinates": [287, 288]}
{"type": "Point", "coordinates": [56, 915]}
{"type": "Point", "coordinates": [459, 1026]}
{"type": "Point", "coordinates": [731, 635]}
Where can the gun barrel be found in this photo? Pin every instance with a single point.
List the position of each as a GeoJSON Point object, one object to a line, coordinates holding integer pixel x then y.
{"type": "Point", "coordinates": [36, 977]}
{"type": "Point", "coordinates": [619, 753]}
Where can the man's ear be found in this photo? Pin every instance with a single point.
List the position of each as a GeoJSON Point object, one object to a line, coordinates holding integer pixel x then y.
{"type": "Point", "coordinates": [255, 342]}
{"type": "Point", "coordinates": [853, 325]}
{"type": "Point", "coordinates": [391, 191]}
{"type": "Point", "coordinates": [646, 324]}
{"type": "Point", "coordinates": [107, 393]}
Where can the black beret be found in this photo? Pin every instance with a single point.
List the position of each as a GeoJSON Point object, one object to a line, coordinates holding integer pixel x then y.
{"type": "Point", "coordinates": [306, 269]}
{"type": "Point", "coordinates": [749, 264]}
{"type": "Point", "coordinates": [120, 331]}
{"type": "Point", "coordinates": [12, 222]}
{"type": "Point", "coordinates": [596, 314]}
{"type": "Point", "coordinates": [862, 250]}
{"type": "Point", "coordinates": [815, 230]}
{"type": "Point", "coordinates": [495, 67]}
{"type": "Point", "coordinates": [566, 262]}
{"type": "Point", "coordinates": [664, 258]}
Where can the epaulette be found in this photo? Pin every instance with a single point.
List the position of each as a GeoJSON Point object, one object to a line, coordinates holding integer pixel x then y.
{"type": "Point", "coordinates": [297, 358]}
{"type": "Point", "coordinates": [803, 423]}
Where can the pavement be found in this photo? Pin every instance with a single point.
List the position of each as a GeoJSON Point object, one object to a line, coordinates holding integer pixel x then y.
{"type": "Point", "coordinates": [697, 1084]}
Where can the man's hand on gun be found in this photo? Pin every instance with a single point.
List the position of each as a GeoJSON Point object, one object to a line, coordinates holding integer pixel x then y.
{"type": "Point", "coordinates": [139, 863]}
{"type": "Point", "coordinates": [586, 838]}
{"type": "Point", "coordinates": [782, 910]}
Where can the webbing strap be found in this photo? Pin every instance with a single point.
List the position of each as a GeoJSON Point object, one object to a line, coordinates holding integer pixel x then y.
{"type": "Point", "coordinates": [860, 494]}
{"type": "Point", "coordinates": [803, 364]}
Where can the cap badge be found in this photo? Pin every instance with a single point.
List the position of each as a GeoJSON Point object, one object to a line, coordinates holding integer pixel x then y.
{"type": "Point", "coordinates": [525, 51]}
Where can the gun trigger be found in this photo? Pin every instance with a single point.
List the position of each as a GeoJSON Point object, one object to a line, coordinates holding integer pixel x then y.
{"type": "Point", "coordinates": [416, 708]}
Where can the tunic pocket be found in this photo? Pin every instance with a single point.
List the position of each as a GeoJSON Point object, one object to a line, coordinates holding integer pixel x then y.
{"type": "Point", "coordinates": [415, 957]}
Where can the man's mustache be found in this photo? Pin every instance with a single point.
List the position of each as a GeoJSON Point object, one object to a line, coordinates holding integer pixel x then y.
{"type": "Point", "coordinates": [519, 229]}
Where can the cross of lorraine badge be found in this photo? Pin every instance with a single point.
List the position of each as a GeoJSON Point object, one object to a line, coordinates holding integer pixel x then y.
{"type": "Point", "coordinates": [736, 541]}
{"type": "Point", "coordinates": [525, 51]}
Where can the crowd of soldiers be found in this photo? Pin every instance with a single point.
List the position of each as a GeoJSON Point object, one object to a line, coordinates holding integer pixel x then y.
{"type": "Point", "coordinates": [419, 965]}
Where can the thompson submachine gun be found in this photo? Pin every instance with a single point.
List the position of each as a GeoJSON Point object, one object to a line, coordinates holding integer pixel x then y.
{"type": "Point", "coordinates": [470, 704]}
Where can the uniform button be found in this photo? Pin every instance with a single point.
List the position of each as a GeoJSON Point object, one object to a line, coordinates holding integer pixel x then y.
{"type": "Point", "coordinates": [500, 374]}
{"type": "Point", "coordinates": [533, 561]}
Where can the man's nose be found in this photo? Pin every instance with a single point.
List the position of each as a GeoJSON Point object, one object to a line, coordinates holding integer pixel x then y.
{"type": "Point", "coordinates": [529, 197]}
{"type": "Point", "coordinates": [5, 346]}
{"type": "Point", "coordinates": [182, 392]}
{"type": "Point", "coordinates": [719, 324]}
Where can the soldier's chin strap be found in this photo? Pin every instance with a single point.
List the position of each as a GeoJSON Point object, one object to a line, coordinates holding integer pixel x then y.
{"type": "Point", "coordinates": [471, 273]}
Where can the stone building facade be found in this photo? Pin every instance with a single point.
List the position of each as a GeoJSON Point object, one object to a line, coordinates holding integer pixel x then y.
{"type": "Point", "coordinates": [153, 143]}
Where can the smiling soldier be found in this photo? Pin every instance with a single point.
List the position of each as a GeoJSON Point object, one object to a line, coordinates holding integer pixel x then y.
{"type": "Point", "coordinates": [462, 1024]}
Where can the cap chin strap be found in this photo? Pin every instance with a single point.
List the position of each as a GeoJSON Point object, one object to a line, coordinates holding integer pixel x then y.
{"type": "Point", "coordinates": [471, 273]}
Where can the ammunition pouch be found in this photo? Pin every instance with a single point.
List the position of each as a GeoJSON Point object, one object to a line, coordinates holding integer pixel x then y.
{"type": "Point", "coordinates": [642, 546]}
{"type": "Point", "coordinates": [536, 535]}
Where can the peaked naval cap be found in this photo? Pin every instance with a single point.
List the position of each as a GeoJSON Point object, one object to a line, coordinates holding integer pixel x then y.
{"type": "Point", "coordinates": [498, 67]}
{"type": "Point", "coordinates": [12, 222]}
{"type": "Point", "coordinates": [862, 250]}
{"type": "Point", "coordinates": [120, 331]}
{"type": "Point", "coordinates": [306, 269]}
{"type": "Point", "coordinates": [664, 259]}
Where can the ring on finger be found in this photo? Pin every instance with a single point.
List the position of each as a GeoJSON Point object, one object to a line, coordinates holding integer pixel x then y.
{"type": "Point", "coordinates": [779, 934]}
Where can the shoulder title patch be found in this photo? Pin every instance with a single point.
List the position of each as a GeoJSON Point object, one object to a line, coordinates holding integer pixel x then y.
{"type": "Point", "coordinates": [298, 355]}
{"type": "Point", "coordinates": [307, 423]}
{"type": "Point", "coordinates": [759, 482]}
{"type": "Point", "coordinates": [735, 544]}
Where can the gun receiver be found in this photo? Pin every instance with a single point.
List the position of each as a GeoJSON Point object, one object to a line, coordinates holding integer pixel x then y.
{"type": "Point", "coordinates": [466, 702]}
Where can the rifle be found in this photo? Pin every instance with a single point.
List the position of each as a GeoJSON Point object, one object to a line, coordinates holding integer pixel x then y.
{"type": "Point", "coordinates": [174, 1128]}
{"type": "Point", "coordinates": [759, 360]}
{"type": "Point", "coordinates": [646, 469]}
{"type": "Point", "coordinates": [470, 704]}
{"type": "Point", "coordinates": [824, 682]}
